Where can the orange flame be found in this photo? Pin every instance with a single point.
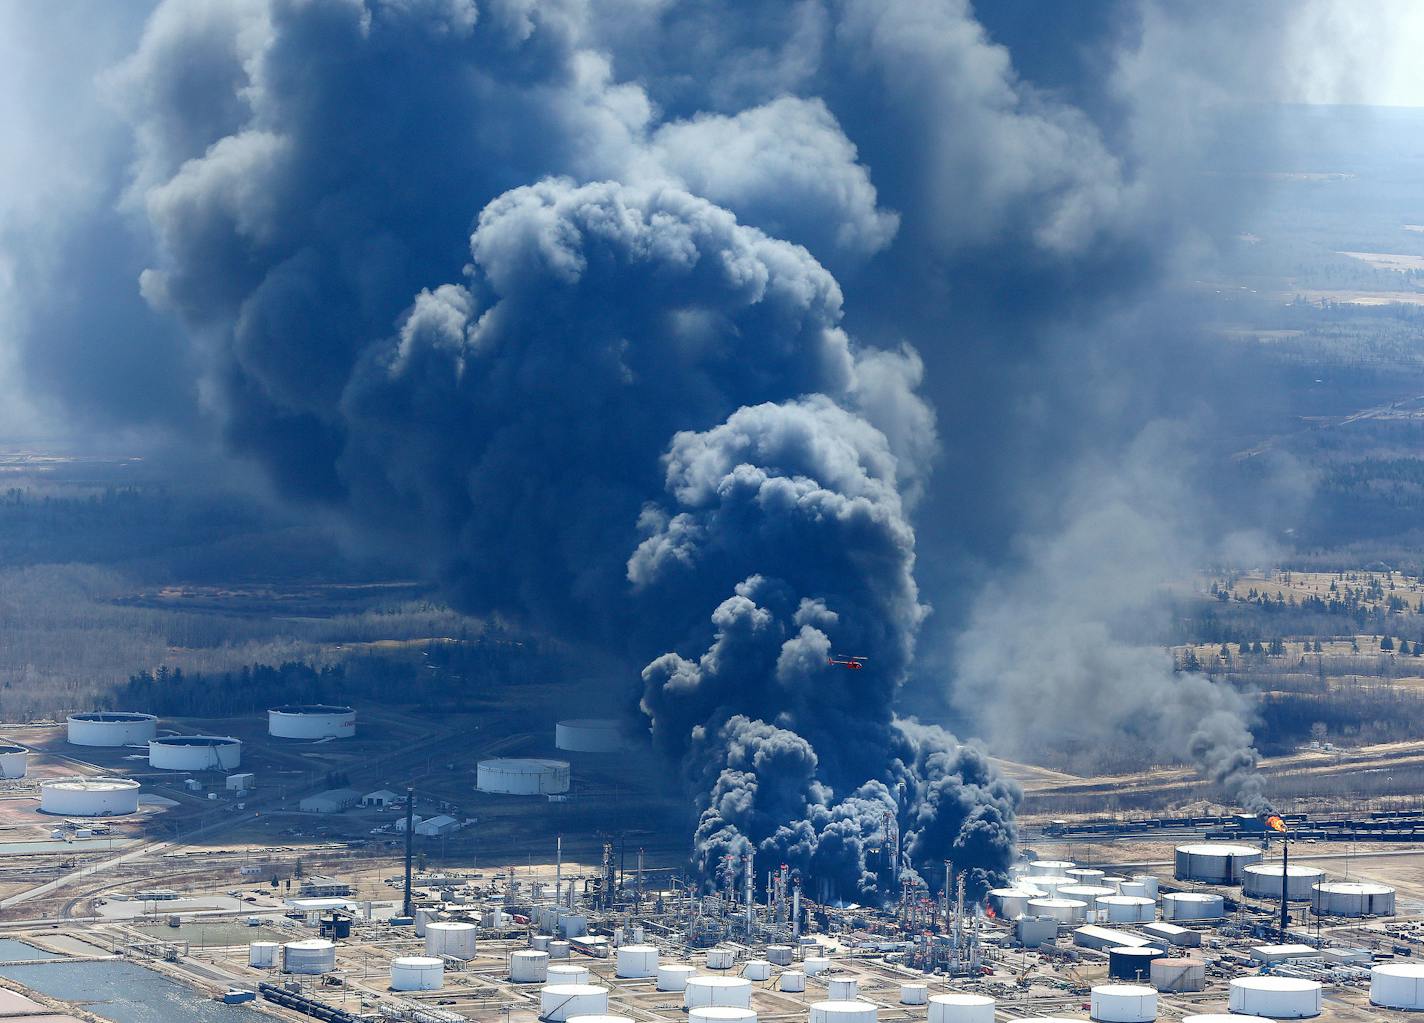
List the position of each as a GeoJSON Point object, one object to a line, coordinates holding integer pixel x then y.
{"type": "Point", "coordinates": [1274, 822]}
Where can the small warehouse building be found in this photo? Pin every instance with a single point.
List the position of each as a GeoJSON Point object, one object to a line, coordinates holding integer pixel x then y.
{"type": "Point", "coordinates": [330, 801]}
{"type": "Point", "coordinates": [435, 827]}
{"type": "Point", "coordinates": [380, 798]}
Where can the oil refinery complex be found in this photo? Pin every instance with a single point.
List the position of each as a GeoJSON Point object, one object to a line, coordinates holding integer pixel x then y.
{"type": "Point", "coordinates": [301, 868]}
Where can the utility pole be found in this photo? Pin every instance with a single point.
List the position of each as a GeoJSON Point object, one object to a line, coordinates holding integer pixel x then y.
{"type": "Point", "coordinates": [408, 907]}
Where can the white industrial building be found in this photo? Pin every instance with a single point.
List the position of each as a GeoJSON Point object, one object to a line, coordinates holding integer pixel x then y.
{"type": "Point", "coordinates": [13, 760]}
{"type": "Point", "coordinates": [381, 797]}
{"type": "Point", "coordinates": [195, 753]}
{"type": "Point", "coordinates": [241, 782]}
{"type": "Point", "coordinates": [111, 728]}
{"type": "Point", "coordinates": [330, 801]}
{"type": "Point", "coordinates": [589, 735]}
{"type": "Point", "coordinates": [434, 827]}
{"type": "Point", "coordinates": [89, 797]}
{"type": "Point", "coordinates": [522, 776]}
{"type": "Point", "coordinates": [311, 721]}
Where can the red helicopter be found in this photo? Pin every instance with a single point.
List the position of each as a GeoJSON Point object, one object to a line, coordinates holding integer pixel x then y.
{"type": "Point", "coordinates": [849, 663]}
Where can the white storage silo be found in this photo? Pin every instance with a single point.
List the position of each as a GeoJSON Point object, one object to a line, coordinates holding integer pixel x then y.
{"type": "Point", "coordinates": [1049, 884]}
{"type": "Point", "coordinates": [791, 980]}
{"type": "Point", "coordinates": [1148, 881]}
{"type": "Point", "coordinates": [110, 728]}
{"type": "Point", "coordinates": [1192, 906]}
{"type": "Point", "coordinates": [720, 958]}
{"type": "Point", "coordinates": [1126, 909]}
{"type": "Point", "coordinates": [1049, 868]}
{"type": "Point", "coordinates": [1065, 911]}
{"type": "Point", "coordinates": [843, 1012]}
{"type": "Point", "coordinates": [1397, 986]}
{"type": "Point", "coordinates": [1214, 862]}
{"type": "Point", "coordinates": [961, 1008]}
{"type": "Point", "coordinates": [309, 956]}
{"type": "Point", "coordinates": [756, 969]}
{"type": "Point", "coordinates": [1135, 890]}
{"type": "Point", "coordinates": [720, 1014]}
{"type": "Point", "coordinates": [522, 776]}
{"type": "Point", "coordinates": [734, 991]}
{"type": "Point", "coordinates": [1276, 997]}
{"type": "Point", "coordinates": [566, 973]}
{"type": "Point", "coordinates": [1123, 1003]}
{"type": "Point", "coordinates": [1178, 974]}
{"type": "Point", "coordinates": [914, 994]}
{"type": "Point", "coordinates": [1088, 894]}
{"type": "Point", "coordinates": [813, 965]}
{"type": "Point", "coordinates": [454, 938]}
{"type": "Point", "coordinates": [780, 955]}
{"type": "Point", "coordinates": [1263, 881]}
{"type": "Point", "coordinates": [637, 961]}
{"type": "Point", "coordinates": [557, 1002]}
{"type": "Point", "coordinates": [589, 735]}
{"type": "Point", "coordinates": [13, 760]}
{"type": "Point", "coordinates": [1011, 903]}
{"type": "Point", "coordinates": [1352, 898]}
{"type": "Point", "coordinates": [842, 989]}
{"type": "Point", "coordinates": [195, 753]}
{"type": "Point", "coordinates": [311, 721]}
{"type": "Point", "coordinates": [529, 966]}
{"type": "Point", "coordinates": [558, 948]}
{"type": "Point", "coordinates": [262, 954]}
{"type": "Point", "coordinates": [89, 797]}
{"type": "Point", "coordinates": [673, 976]}
{"type": "Point", "coordinates": [1085, 875]}
{"type": "Point", "coordinates": [1112, 881]}
{"type": "Point", "coordinates": [417, 973]}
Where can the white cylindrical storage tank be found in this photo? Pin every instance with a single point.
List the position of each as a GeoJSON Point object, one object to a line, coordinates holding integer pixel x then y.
{"type": "Point", "coordinates": [1126, 909]}
{"type": "Point", "coordinates": [842, 989]}
{"type": "Point", "coordinates": [1192, 906]}
{"type": "Point", "coordinates": [673, 976]}
{"type": "Point", "coordinates": [637, 961]}
{"type": "Point", "coordinates": [422, 917]}
{"type": "Point", "coordinates": [454, 938]}
{"type": "Point", "coordinates": [309, 956]}
{"type": "Point", "coordinates": [1352, 898]}
{"type": "Point", "coordinates": [1011, 903]}
{"type": "Point", "coordinates": [540, 942]}
{"type": "Point", "coordinates": [1214, 862]}
{"type": "Point", "coordinates": [311, 721]}
{"type": "Point", "coordinates": [1263, 881]}
{"type": "Point", "coordinates": [1048, 884]}
{"type": "Point", "coordinates": [1087, 894]}
{"type": "Point", "coordinates": [813, 965]}
{"type": "Point", "coordinates": [529, 966]}
{"type": "Point", "coordinates": [720, 1014]}
{"type": "Point", "coordinates": [13, 762]}
{"type": "Point", "coordinates": [780, 955]}
{"type": "Point", "coordinates": [961, 1008]}
{"type": "Point", "coordinates": [1178, 974]}
{"type": "Point", "coordinates": [1123, 1003]}
{"type": "Point", "coordinates": [89, 797]}
{"type": "Point", "coordinates": [1066, 911]}
{"type": "Point", "coordinates": [791, 980]}
{"type": "Point", "coordinates": [1112, 881]}
{"type": "Point", "coordinates": [558, 948]}
{"type": "Point", "coordinates": [589, 735]}
{"type": "Point", "coordinates": [1085, 875]}
{"type": "Point", "coordinates": [1149, 881]}
{"type": "Point", "coordinates": [1135, 890]}
{"type": "Point", "coordinates": [522, 776]}
{"type": "Point", "coordinates": [734, 991]}
{"type": "Point", "coordinates": [111, 728]}
{"type": "Point", "coordinates": [417, 973]}
{"type": "Point", "coordinates": [1397, 986]}
{"type": "Point", "coordinates": [195, 753]}
{"type": "Point", "coordinates": [843, 1012]}
{"type": "Point", "coordinates": [566, 973]}
{"type": "Point", "coordinates": [262, 954]}
{"type": "Point", "coordinates": [1276, 997]}
{"type": "Point", "coordinates": [557, 1002]}
{"type": "Point", "coordinates": [1049, 868]}
{"type": "Point", "coordinates": [914, 994]}
{"type": "Point", "coordinates": [756, 969]}
{"type": "Point", "coordinates": [720, 958]}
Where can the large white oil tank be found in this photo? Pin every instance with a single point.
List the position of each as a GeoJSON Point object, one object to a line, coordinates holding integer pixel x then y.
{"type": "Point", "coordinates": [454, 938]}
{"type": "Point", "coordinates": [1011, 903]}
{"type": "Point", "coordinates": [12, 760]}
{"type": "Point", "coordinates": [522, 776]}
{"type": "Point", "coordinates": [417, 973]}
{"type": "Point", "coordinates": [558, 1002]}
{"type": "Point", "coordinates": [637, 961]}
{"type": "Point", "coordinates": [673, 976]}
{"type": "Point", "coordinates": [111, 728]}
{"type": "Point", "coordinates": [734, 991]}
{"type": "Point", "coordinates": [791, 980]}
{"type": "Point", "coordinates": [1397, 986]}
{"type": "Point", "coordinates": [1352, 898]}
{"type": "Point", "coordinates": [719, 1014]}
{"type": "Point", "coordinates": [558, 948]}
{"type": "Point", "coordinates": [843, 1012]}
{"type": "Point", "coordinates": [756, 969]}
{"type": "Point", "coordinates": [195, 753]}
{"type": "Point", "coordinates": [311, 721]}
{"type": "Point", "coordinates": [1214, 862]}
{"type": "Point", "coordinates": [1065, 911]}
{"type": "Point", "coordinates": [1134, 889]}
{"type": "Point", "coordinates": [914, 994]}
{"type": "Point", "coordinates": [720, 958]}
{"type": "Point", "coordinates": [842, 989]}
{"type": "Point", "coordinates": [1123, 1003]}
{"type": "Point", "coordinates": [780, 955]}
{"type": "Point", "coordinates": [589, 735]}
{"type": "Point", "coordinates": [1048, 884]}
{"type": "Point", "coordinates": [1049, 868]}
{"type": "Point", "coordinates": [566, 973]}
{"type": "Point", "coordinates": [309, 956]}
{"type": "Point", "coordinates": [1263, 881]}
{"type": "Point", "coordinates": [813, 965]}
{"type": "Point", "coordinates": [1085, 875]}
{"type": "Point", "coordinates": [262, 954]}
{"type": "Point", "coordinates": [89, 797]}
{"type": "Point", "coordinates": [1088, 894]}
{"type": "Point", "coordinates": [1148, 881]}
{"type": "Point", "coordinates": [1276, 997]}
{"type": "Point", "coordinates": [1126, 909]}
{"type": "Point", "coordinates": [1192, 906]}
{"type": "Point", "coordinates": [1178, 974]}
{"type": "Point", "coordinates": [540, 942]}
{"type": "Point", "coordinates": [529, 966]}
{"type": "Point", "coordinates": [961, 1008]}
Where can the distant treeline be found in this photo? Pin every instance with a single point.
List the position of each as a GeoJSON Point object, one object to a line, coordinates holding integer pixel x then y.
{"type": "Point", "coordinates": [1357, 714]}
{"type": "Point", "coordinates": [231, 693]}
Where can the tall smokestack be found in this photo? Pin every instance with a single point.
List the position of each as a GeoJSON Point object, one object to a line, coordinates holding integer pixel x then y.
{"type": "Point", "coordinates": [558, 871]}
{"type": "Point", "coordinates": [408, 907]}
{"type": "Point", "coordinates": [1285, 885]}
